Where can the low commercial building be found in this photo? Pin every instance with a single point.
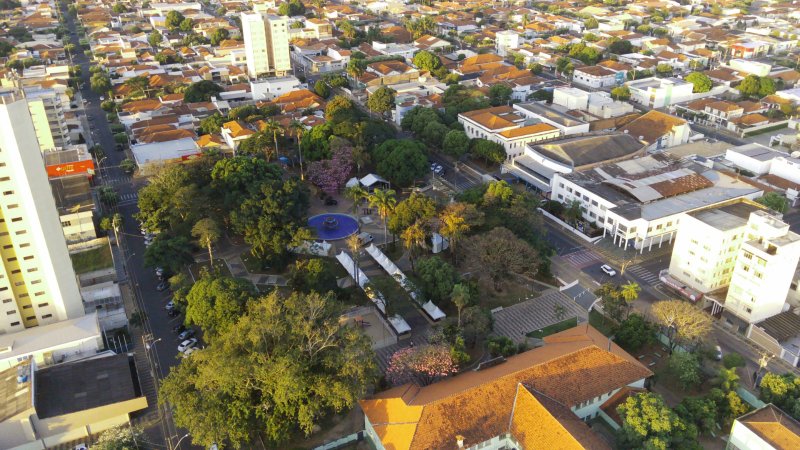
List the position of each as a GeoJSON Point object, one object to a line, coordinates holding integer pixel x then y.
{"type": "Point", "coordinates": [773, 168]}
{"type": "Point", "coordinates": [556, 117]}
{"type": "Point", "coordinates": [156, 154]}
{"type": "Point", "coordinates": [596, 77]}
{"type": "Point", "coordinates": [49, 407]}
{"type": "Point", "coordinates": [599, 104]}
{"type": "Point", "coordinates": [660, 92]}
{"type": "Point", "coordinates": [540, 163]}
{"type": "Point", "coordinates": [531, 400]}
{"type": "Point", "coordinates": [639, 202]}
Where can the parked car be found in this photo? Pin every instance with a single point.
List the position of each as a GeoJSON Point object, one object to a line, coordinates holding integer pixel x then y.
{"type": "Point", "coordinates": [187, 333]}
{"type": "Point", "coordinates": [439, 170]}
{"type": "Point", "coordinates": [433, 166]}
{"type": "Point", "coordinates": [170, 305]}
{"type": "Point", "coordinates": [718, 353]}
{"type": "Point", "coordinates": [330, 201]}
{"type": "Point", "coordinates": [159, 271]}
{"type": "Point", "coordinates": [162, 286]}
{"type": "Point", "coordinates": [179, 328]}
{"type": "Point", "coordinates": [608, 270]}
{"type": "Point", "coordinates": [189, 352]}
{"type": "Point", "coordinates": [173, 313]}
{"type": "Point", "coordinates": [365, 238]}
{"type": "Point", "coordinates": [187, 344]}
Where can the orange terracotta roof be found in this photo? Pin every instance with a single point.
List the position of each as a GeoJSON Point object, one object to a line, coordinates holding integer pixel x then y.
{"type": "Point", "coordinates": [209, 140]}
{"type": "Point", "coordinates": [774, 426]}
{"type": "Point", "coordinates": [652, 126]}
{"type": "Point", "coordinates": [573, 366]}
{"type": "Point", "coordinates": [237, 129]}
{"type": "Point", "coordinates": [528, 130]}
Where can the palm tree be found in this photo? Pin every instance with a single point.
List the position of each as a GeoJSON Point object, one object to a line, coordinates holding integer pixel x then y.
{"type": "Point", "coordinates": [413, 239]}
{"type": "Point", "coordinates": [299, 129]}
{"type": "Point", "coordinates": [384, 200]}
{"type": "Point", "coordinates": [630, 292]}
{"type": "Point", "coordinates": [461, 298]}
{"type": "Point", "coordinates": [207, 232]}
{"type": "Point", "coordinates": [356, 194]}
{"type": "Point", "coordinates": [271, 126]}
{"type": "Point", "coordinates": [453, 226]}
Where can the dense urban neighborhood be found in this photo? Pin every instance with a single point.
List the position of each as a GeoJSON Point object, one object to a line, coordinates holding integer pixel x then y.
{"type": "Point", "coordinates": [400, 225]}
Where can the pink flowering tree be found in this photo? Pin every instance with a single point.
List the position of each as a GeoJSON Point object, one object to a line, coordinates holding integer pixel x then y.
{"type": "Point", "coordinates": [331, 174]}
{"type": "Point", "coordinates": [423, 365]}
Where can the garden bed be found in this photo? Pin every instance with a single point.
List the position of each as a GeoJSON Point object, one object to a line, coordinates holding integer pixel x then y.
{"type": "Point", "coordinates": [554, 328]}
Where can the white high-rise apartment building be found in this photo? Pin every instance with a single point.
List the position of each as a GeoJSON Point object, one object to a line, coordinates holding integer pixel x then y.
{"type": "Point", "coordinates": [742, 247]}
{"type": "Point", "coordinates": [37, 282]}
{"type": "Point", "coordinates": [266, 44]}
{"type": "Point", "coordinates": [764, 269]}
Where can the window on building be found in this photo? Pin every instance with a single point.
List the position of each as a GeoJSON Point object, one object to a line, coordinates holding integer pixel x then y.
{"type": "Point", "coordinates": [14, 324]}
{"type": "Point", "coordinates": [47, 316]}
{"type": "Point", "coordinates": [11, 313]}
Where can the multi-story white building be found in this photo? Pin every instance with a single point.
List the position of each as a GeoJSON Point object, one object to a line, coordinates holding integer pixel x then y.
{"type": "Point", "coordinates": [48, 118]}
{"type": "Point", "coordinates": [266, 44]}
{"type": "Point", "coordinates": [505, 41]}
{"type": "Point", "coordinates": [743, 248]}
{"type": "Point", "coordinates": [640, 202]}
{"type": "Point", "coordinates": [660, 92]}
{"type": "Point", "coordinates": [37, 282]}
{"type": "Point", "coordinates": [764, 269]}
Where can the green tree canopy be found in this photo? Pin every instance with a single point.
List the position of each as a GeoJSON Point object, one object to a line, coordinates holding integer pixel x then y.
{"type": "Point", "coordinates": [647, 422]}
{"type": "Point", "coordinates": [455, 143]}
{"type": "Point", "coordinates": [284, 366]}
{"type": "Point", "coordinates": [416, 208]}
{"type": "Point", "coordinates": [489, 151]}
{"type": "Point", "coordinates": [292, 8]}
{"type": "Point", "coordinates": [437, 278]}
{"type": "Point", "coordinates": [339, 108]}
{"type": "Point", "coordinates": [219, 35]}
{"type": "Point", "coordinates": [215, 303]}
{"type": "Point", "coordinates": [499, 94]}
{"type": "Point", "coordinates": [401, 161]}
{"type": "Point", "coordinates": [425, 60]}
{"type": "Point", "coordinates": [314, 274]}
{"type": "Point", "coordinates": [634, 333]}
{"type": "Point", "coordinates": [499, 253]}
{"type": "Point", "coordinates": [238, 178]}
{"type": "Point", "coordinates": [590, 23]}
{"type": "Point", "coordinates": [756, 87]}
{"type": "Point", "coordinates": [169, 252]}
{"type": "Point", "coordinates": [685, 367]}
{"type": "Point", "coordinates": [174, 19]}
{"type": "Point", "coordinates": [774, 201]}
{"type": "Point", "coordinates": [201, 91]}
{"type": "Point", "coordinates": [321, 88]}
{"type": "Point", "coordinates": [273, 219]}
{"type": "Point", "coordinates": [155, 38]}
{"type": "Point", "coordinates": [700, 81]}
{"type": "Point", "coordinates": [382, 100]}
{"type": "Point", "coordinates": [621, 93]}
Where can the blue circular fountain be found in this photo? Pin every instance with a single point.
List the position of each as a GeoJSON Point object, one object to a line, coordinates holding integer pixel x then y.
{"type": "Point", "coordinates": [330, 227]}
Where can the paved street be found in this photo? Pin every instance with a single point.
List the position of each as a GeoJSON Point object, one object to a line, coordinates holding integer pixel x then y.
{"type": "Point", "coordinates": [141, 281]}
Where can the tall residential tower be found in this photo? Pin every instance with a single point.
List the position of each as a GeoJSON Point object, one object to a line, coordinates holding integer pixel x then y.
{"type": "Point", "coordinates": [266, 44]}
{"type": "Point", "coordinates": [37, 282]}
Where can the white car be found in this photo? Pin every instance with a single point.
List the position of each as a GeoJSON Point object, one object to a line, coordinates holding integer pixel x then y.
{"type": "Point", "coordinates": [189, 351]}
{"type": "Point", "coordinates": [608, 270]}
{"type": "Point", "coordinates": [187, 344]}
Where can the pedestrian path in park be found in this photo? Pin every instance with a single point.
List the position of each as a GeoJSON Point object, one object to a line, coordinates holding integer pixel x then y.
{"type": "Point", "coordinates": [582, 258]}
{"type": "Point", "coordinates": [646, 275]}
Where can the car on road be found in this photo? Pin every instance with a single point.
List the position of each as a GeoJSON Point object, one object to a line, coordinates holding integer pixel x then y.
{"type": "Point", "coordinates": [187, 344]}
{"type": "Point", "coordinates": [717, 353]}
{"type": "Point", "coordinates": [159, 272]}
{"type": "Point", "coordinates": [170, 305]}
{"type": "Point", "coordinates": [608, 270]}
{"type": "Point", "coordinates": [439, 170]}
{"type": "Point", "coordinates": [186, 334]}
{"type": "Point", "coordinates": [162, 286]}
{"type": "Point", "coordinates": [365, 238]}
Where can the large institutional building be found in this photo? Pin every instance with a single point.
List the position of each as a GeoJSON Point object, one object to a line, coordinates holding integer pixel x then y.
{"type": "Point", "coordinates": [266, 44]}
{"type": "Point", "coordinates": [37, 282]}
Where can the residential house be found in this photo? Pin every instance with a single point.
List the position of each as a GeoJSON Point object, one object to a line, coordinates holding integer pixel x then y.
{"type": "Point", "coordinates": [658, 130]}
{"type": "Point", "coordinates": [234, 132]}
{"type": "Point", "coordinates": [767, 428]}
{"type": "Point", "coordinates": [596, 77]}
{"type": "Point", "coordinates": [660, 92]}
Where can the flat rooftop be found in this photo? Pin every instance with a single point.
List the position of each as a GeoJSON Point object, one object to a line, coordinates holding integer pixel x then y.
{"type": "Point", "coordinates": [15, 397]}
{"type": "Point", "coordinates": [81, 385]}
{"type": "Point", "coordinates": [700, 148]}
{"type": "Point", "coordinates": [549, 113]}
{"type": "Point", "coordinates": [726, 217]}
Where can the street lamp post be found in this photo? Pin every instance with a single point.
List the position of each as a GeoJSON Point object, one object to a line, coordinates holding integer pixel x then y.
{"type": "Point", "coordinates": [178, 444]}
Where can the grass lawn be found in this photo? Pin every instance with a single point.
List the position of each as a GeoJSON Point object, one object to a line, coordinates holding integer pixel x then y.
{"type": "Point", "coordinates": [220, 267]}
{"type": "Point", "coordinates": [554, 328]}
{"type": "Point", "coordinates": [91, 260]}
{"type": "Point", "coordinates": [601, 323]}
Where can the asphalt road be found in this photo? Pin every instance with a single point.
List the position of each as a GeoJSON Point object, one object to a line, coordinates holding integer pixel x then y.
{"type": "Point", "coordinates": [143, 281]}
